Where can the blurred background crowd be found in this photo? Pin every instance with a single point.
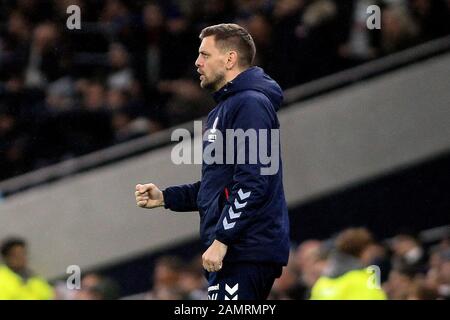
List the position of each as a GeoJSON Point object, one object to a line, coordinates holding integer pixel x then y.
{"type": "Point", "coordinates": [129, 71]}
{"type": "Point", "coordinates": [350, 265]}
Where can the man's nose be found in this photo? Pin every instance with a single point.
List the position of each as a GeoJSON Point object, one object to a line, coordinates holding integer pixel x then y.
{"type": "Point", "coordinates": [197, 62]}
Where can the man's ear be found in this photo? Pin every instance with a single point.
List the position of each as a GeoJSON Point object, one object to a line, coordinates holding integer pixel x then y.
{"type": "Point", "coordinates": [231, 60]}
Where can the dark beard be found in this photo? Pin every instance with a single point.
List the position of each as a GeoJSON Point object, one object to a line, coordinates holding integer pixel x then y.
{"type": "Point", "coordinates": [216, 83]}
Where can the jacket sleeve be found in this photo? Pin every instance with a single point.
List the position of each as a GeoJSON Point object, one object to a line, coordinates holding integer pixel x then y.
{"type": "Point", "coordinates": [250, 188]}
{"type": "Point", "coordinates": [181, 198]}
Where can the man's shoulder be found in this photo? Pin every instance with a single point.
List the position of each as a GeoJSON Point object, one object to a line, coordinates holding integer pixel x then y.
{"type": "Point", "coordinates": [249, 104]}
{"type": "Point", "coordinates": [4, 269]}
{"type": "Point", "coordinates": [250, 95]}
{"type": "Point", "coordinates": [247, 101]}
{"type": "Point", "coordinates": [7, 273]}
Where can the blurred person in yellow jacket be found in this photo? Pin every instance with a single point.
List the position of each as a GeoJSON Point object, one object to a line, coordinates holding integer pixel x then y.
{"type": "Point", "coordinates": [345, 276]}
{"type": "Point", "coordinates": [17, 282]}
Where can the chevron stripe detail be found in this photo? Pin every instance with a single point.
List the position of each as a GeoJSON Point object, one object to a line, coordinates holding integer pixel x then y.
{"type": "Point", "coordinates": [227, 225]}
{"type": "Point", "coordinates": [231, 292]}
{"type": "Point", "coordinates": [242, 195]}
{"type": "Point", "coordinates": [234, 215]}
{"type": "Point", "coordinates": [238, 205]}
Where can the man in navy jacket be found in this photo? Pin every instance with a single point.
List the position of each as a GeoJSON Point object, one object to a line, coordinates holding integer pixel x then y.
{"type": "Point", "coordinates": [243, 214]}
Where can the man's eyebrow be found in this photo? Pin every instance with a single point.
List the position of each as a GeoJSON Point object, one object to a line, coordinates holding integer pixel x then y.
{"type": "Point", "coordinates": [202, 52]}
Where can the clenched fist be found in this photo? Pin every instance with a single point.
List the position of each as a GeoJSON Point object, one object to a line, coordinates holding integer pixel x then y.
{"type": "Point", "coordinates": [213, 257]}
{"type": "Point", "coordinates": [148, 196]}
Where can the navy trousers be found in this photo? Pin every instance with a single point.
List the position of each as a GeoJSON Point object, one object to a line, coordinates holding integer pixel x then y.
{"type": "Point", "coordinates": [242, 281]}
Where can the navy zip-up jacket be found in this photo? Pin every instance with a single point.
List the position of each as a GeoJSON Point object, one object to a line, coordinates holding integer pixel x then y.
{"type": "Point", "coordinates": [238, 205]}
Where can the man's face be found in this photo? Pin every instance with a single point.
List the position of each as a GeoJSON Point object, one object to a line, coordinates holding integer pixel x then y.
{"type": "Point", "coordinates": [211, 64]}
{"type": "Point", "coordinates": [17, 258]}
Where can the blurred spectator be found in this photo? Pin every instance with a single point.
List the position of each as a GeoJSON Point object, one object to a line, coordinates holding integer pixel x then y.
{"type": "Point", "coordinates": [434, 265]}
{"type": "Point", "coordinates": [443, 285]}
{"type": "Point", "coordinates": [285, 287]}
{"type": "Point", "coordinates": [409, 252]}
{"type": "Point", "coordinates": [305, 266]}
{"type": "Point", "coordinates": [192, 281]}
{"type": "Point", "coordinates": [345, 277]}
{"type": "Point", "coordinates": [173, 281]}
{"type": "Point", "coordinates": [126, 127]}
{"type": "Point", "coordinates": [188, 101]}
{"type": "Point", "coordinates": [358, 43]}
{"type": "Point", "coordinates": [62, 291]}
{"type": "Point", "coordinates": [121, 75]}
{"type": "Point", "coordinates": [285, 15]}
{"type": "Point", "coordinates": [377, 255]}
{"type": "Point", "coordinates": [17, 281]}
{"type": "Point", "coordinates": [259, 27]}
{"type": "Point", "coordinates": [399, 30]}
{"type": "Point", "coordinates": [93, 96]}
{"type": "Point", "coordinates": [318, 39]}
{"type": "Point", "coordinates": [400, 283]}
{"type": "Point", "coordinates": [12, 143]}
{"type": "Point", "coordinates": [165, 280]}
{"type": "Point", "coordinates": [14, 42]}
{"type": "Point", "coordinates": [290, 285]}
{"type": "Point", "coordinates": [419, 291]}
{"type": "Point", "coordinates": [61, 95]}
{"type": "Point", "coordinates": [43, 66]}
{"type": "Point", "coordinates": [97, 287]}
{"type": "Point", "coordinates": [432, 17]}
{"type": "Point", "coordinates": [310, 261]}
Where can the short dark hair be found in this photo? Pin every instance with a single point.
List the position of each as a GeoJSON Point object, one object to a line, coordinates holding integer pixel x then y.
{"type": "Point", "coordinates": [9, 243]}
{"type": "Point", "coordinates": [353, 241]}
{"type": "Point", "coordinates": [172, 262]}
{"type": "Point", "coordinates": [230, 35]}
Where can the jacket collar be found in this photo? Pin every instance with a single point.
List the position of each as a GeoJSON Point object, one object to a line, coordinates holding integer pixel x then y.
{"type": "Point", "coordinates": [230, 86]}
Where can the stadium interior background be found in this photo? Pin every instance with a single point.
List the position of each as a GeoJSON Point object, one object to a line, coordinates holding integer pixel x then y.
{"type": "Point", "coordinates": [86, 114]}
